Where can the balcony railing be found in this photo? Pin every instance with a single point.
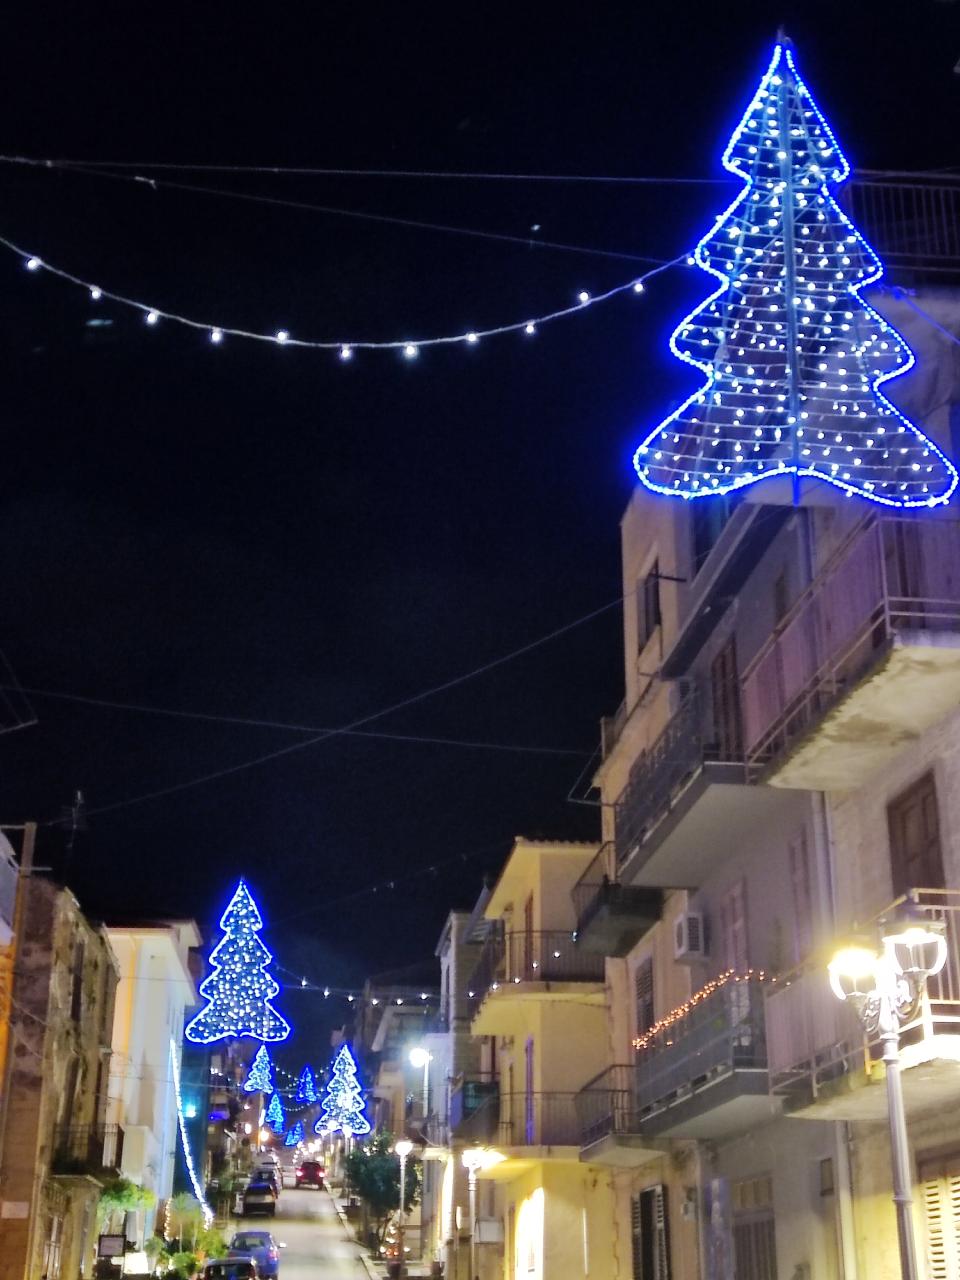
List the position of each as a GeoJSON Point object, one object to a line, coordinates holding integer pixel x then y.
{"type": "Point", "coordinates": [519, 956]}
{"type": "Point", "coordinates": [814, 1040]}
{"type": "Point", "coordinates": [612, 917]}
{"type": "Point", "coordinates": [719, 1034]}
{"type": "Point", "coordinates": [914, 223]}
{"type": "Point", "coordinates": [94, 1150]}
{"type": "Point", "coordinates": [538, 1120]}
{"type": "Point", "coordinates": [607, 1105]}
{"type": "Point", "coordinates": [467, 1098]}
{"type": "Point", "coordinates": [890, 576]}
{"type": "Point", "coordinates": [659, 777]}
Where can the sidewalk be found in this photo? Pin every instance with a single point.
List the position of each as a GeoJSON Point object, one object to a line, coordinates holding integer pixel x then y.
{"type": "Point", "coordinates": [375, 1269]}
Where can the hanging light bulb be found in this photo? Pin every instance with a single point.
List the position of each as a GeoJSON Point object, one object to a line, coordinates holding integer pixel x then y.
{"type": "Point", "coordinates": [410, 351]}
{"type": "Point", "coordinates": [216, 336]}
{"type": "Point", "coordinates": [346, 353]}
{"type": "Point", "coordinates": [282, 335]}
{"type": "Point", "coordinates": [96, 294]}
{"type": "Point", "coordinates": [33, 264]}
{"type": "Point", "coordinates": [583, 296]}
{"type": "Point", "coordinates": [152, 317]}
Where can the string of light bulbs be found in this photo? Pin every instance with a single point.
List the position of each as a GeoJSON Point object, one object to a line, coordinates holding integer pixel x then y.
{"type": "Point", "coordinates": [185, 1139]}
{"type": "Point", "coordinates": [409, 348]}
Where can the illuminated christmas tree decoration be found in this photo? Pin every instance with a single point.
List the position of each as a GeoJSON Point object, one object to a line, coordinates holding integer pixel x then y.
{"type": "Point", "coordinates": [184, 1136]}
{"type": "Point", "coordinates": [343, 1105]}
{"type": "Point", "coordinates": [306, 1087]}
{"type": "Point", "coordinates": [794, 357]}
{"type": "Point", "coordinates": [275, 1117]}
{"type": "Point", "coordinates": [294, 1136]}
{"type": "Point", "coordinates": [260, 1079]}
{"type": "Point", "coordinates": [239, 990]}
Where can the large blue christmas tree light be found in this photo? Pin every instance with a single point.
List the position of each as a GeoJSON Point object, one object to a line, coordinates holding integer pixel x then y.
{"type": "Point", "coordinates": [306, 1087]}
{"type": "Point", "coordinates": [794, 358]}
{"type": "Point", "coordinates": [343, 1105]}
{"type": "Point", "coordinates": [275, 1117]}
{"type": "Point", "coordinates": [239, 989]}
{"type": "Point", "coordinates": [260, 1078]}
{"type": "Point", "coordinates": [294, 1136]}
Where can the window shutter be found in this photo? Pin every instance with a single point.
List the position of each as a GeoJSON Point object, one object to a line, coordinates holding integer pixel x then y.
{"type": "Point", "coordinates": [643, 981]}
{"type": "Point", "coordinates": [940, 1181]}
{"type": "Point", "coordinates": [636, 1238]}
{"type": "Point", "coordinates": [650, 1237]}
{"type": "Point", "coordinates": [661, 1251]}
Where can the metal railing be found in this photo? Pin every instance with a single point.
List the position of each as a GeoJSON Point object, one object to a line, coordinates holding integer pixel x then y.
{"type": "Point", "coordinates": [913, 223]}
{"type": "Point", "coordinates": [719, 1034]}
{"type": "Point", "coordinates": [466, 1099]}
{"type": "Point", "coordinates": [87, 1149]}
{"type": "Point", "coordinates": [813, 1039]}
{"type": "Point", "coordinates": [889, 576]}
{"type": "Point", "coordinates": [519, 956]}
{"type": "Point", "coordinates": [685, 745]}
{"type": "Point", "coordinates": [611, 728]}
{"type": "Point", "coordinates": [538, 1120]}
{"type": "Point", "coordinates": [607, 1105]}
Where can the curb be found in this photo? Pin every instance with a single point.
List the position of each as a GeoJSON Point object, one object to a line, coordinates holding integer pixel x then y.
{"type": "Point", "coordinates": [365, 1261]}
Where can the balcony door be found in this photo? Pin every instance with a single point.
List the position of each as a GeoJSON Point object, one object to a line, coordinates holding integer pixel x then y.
{"type": "Point", "coordinates": [735, 959]}
{"type": "Point", "coordinates": [725, 692]}
{"type": "Point", "coordinates": [916, 861]}
{"type": "Point", "coordinates": [529, 1097]}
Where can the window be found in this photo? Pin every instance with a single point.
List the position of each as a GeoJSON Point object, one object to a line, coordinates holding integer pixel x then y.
{"type": "Point", "coordinates": [725, 691]}
{"type": "Point", "coordinates": [708, 520]}
{"type": "Point", "coordinates": [650, 1234]}
{"type": "Point", "coordinates": [754, 1236]}
{"type": "Point", "coordinates": [648, 606]}
{"type": "Point", "coordinates": [914, 823]}
{"type": "Point", "coordinates": [643, 985]}
{"type": "Point", "coordinates": [779, 597]}
{"type": "Point", "coordinates": [52, 1248]}
{"type": "Point", "coordinates": [940, 1183]}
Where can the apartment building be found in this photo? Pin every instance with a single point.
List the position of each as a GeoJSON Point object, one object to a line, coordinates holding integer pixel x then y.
{"type": "Point", "coordinates": [57, 1148]}
{"type": "Point", "coordinates": [784, 767]}
{"type": "Point", "coordinates": [539, 1008]}
{"type": "Point", "coordinates": [154, 988]}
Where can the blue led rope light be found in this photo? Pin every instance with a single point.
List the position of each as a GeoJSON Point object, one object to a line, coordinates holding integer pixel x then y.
{"type": "Point", "coordinates": [239, 989]}
{"type": "Point", "coordinates": [184, 1139]}
{"type": "Point", "coordinates": [306, 1086]}
{"type": "Point", "coordinates": [794, 356]}
{"type": "Point", "coordinates": [275, 1117]}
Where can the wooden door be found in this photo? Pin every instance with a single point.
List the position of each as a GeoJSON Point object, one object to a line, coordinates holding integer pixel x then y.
{"type": "Point", "coordinates": [725, 694]}
{"type": "Point", "coordinates": [916, 861]}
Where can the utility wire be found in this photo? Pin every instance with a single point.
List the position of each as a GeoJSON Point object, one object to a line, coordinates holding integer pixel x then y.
{"type": "Point", "coordinates": [528, 242]}
{"type": "Point", "coordinates": [307, 171]}
{"type": "Point", "coordinates": [360, 722]}
{"type": "Point", "coordinates": [247, 721]}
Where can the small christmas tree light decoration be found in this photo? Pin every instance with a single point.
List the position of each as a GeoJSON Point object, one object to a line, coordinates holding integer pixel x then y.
{"type": "Point", "coordinates": [294, 1136]}
{"type": "Point", "coordinates": [260, 1079]}
{"type": "Point", "coordinates": [343, 1106]}
{"type": "Point", "coordinates": [306, 1087]}
{"type": "Point", "coordinates": [275, 1117]}
{"type": "Point", "coordinates": [238, 991]}
{"type": "Point", "coordinates": [794, 358]}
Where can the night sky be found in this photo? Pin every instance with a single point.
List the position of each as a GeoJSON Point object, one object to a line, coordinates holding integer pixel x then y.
{"type": "Point", "coordinates": [263, 533]}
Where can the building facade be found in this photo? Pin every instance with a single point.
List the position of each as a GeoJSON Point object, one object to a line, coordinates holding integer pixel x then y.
{"type": "Point", "coordinates": [154, 988]}
{"type": "Point", "coordinates": [57, 1147]}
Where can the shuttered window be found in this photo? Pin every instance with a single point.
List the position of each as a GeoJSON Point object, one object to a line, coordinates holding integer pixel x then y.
{"type": "Point", "coordinates": [913, 818]}
{"type": "Point", "coordinates": [643, 982]}
{"type": "Point", "coordinates": [940, 1183]}
{"type": "Point", "coordinates": [754, 1247]}
{"type": "Point", "coordinates": [651, 1236]}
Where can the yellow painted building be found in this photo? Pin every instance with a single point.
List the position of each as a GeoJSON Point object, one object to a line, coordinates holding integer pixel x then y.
{"type": "Point", "coordinates": [539, 1003]}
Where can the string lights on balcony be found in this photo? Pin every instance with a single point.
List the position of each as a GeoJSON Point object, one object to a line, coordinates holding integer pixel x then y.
{"type": "Point", "coordinates": [680, 1012]}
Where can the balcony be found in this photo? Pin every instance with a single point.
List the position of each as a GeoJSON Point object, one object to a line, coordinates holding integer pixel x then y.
{"type": "Point", "coordinates": [87, 1151]}
{"type": "Point", "coordinates": [704, 1073]}
{"type": "Point", "coordinates": [822, 1066]}
{"type": "Point", "coordinates": [522, 966]}
{"type": "Point", "coordinates": [612, 917]}
{"type": "Point", "coordinates": [866, 660]}
{"type": "Point", "coordinates": [688, 804]}
{"type": "Point", "coordinates": [914, 221]}
{"type": "Point", "coordinates": [474, 1110]}
{"type": "Point", "coordinates": [610, 1121]}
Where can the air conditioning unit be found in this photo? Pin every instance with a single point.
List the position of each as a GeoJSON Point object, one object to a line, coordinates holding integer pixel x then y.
{"type": "Point", "coordinates": [689, 938]}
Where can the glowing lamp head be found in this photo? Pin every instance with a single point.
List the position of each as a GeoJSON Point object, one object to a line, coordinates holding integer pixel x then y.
{"type": "Point", "coordinates": [853, 970]}
{"type": "Point", "coordinates": [419, 1057]}
{"type": "Point", "coordinates": [403, 1148]}
{"type": "Point", "coordinates": [915, 943]}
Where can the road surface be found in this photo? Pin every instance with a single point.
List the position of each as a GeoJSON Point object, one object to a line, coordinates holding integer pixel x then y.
{"type": "Point", "coordinates": [317, 1245]}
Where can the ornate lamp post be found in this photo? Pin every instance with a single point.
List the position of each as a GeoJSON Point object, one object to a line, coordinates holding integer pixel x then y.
{"type": "Point", "coordinates": [886, 987]}
{"type": "Point", "coordinates": [473, 1160]}
{"type": "Point", "coordinates": [403, 1149]}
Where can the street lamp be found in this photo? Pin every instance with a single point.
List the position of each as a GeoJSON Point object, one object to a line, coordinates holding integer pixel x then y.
{"type": "Point", "coordinates": [886, 988]}
{"type": "Point", "coordinates": [420, 1057]}
{"type": "Point", "coordinates": [473, 1160]}
{"type": "Point", "coordinates": [403, 1149]}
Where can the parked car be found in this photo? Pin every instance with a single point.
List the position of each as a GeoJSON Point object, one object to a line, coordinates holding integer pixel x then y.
{"type": "Point", "coordinates": [259, 1245]}
{"type": "Point", "coordinates": [310, 1174]}
{"type": "Point", "coordinates": [230, 1269]}
{"type": "Point", "coordinates": [259, 1197]}
{"type": "Point", "coordinates": [268, 1174]}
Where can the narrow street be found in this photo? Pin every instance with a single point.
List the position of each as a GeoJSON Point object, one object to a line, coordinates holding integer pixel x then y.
{"type": "Point", "coordinates": [317, 1246]}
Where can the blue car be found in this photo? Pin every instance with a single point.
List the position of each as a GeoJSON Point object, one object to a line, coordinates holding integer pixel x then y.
{"type": "Point", "coordinates": [261, 1247]}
